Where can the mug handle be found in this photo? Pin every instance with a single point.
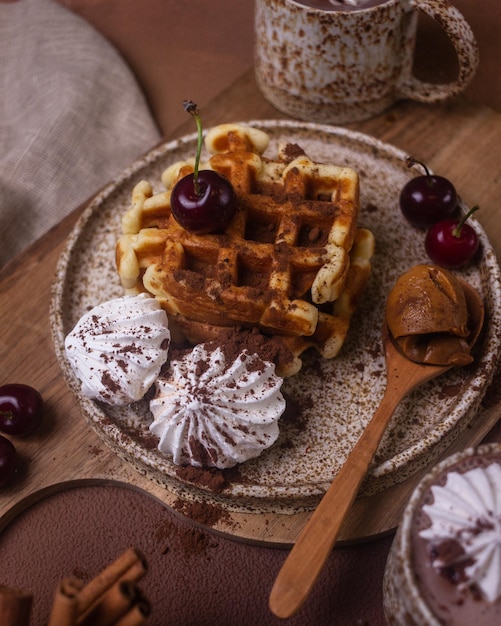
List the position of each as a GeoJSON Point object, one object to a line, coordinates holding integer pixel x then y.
{"type": "Point", "coordinates": [462, 38]}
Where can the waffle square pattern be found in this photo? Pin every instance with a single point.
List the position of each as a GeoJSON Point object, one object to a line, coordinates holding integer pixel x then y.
{"type": "Point", "coordinates": [292, 262]}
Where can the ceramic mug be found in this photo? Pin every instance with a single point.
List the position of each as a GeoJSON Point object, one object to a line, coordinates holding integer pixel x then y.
{"type": "Point", "coordinates": [343, 65]}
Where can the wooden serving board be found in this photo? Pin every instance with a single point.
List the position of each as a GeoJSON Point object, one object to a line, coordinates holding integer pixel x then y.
{"type": "Point", "coordinates": [459, 140]}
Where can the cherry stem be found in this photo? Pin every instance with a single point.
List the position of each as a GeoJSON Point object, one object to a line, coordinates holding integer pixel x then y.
{"type": "Point", "coordinates": [456, 232]}
{"type": "Point", "coordinates": [410, 160]}
{"type": "Point", "coordinates": [191, 108]}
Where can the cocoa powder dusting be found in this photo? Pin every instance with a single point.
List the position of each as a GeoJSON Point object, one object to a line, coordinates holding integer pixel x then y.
{"type": "Point", "coordinates": [450, 391]}
{"type": "Point", "coordinates": [147, 440]}
{"type": "Point", "coordinates": [370, 208]}
{"type": "Point", "coordinates": [294, 416]}
{"type": "Point", "coordinates": [493, 394]}
{"type": "Point", "coordinates": [202, 452]}
{"type": "Point", "coordinates": [213, 479]}
{"type": "Point", "coordinates": [295, 409]}
{"type": "Point", "coordinates": [201, 512]}
{"type": "Point", "coordinates": [194, 541]}
{"type": "Point", "coordinates": [292, 151]}
{"type": "Point", "coordinates": [109, 383]}
{"type": "Point", "coordinates": [191, 542]}
{"type": "Point", "coordinates": [235, 340]}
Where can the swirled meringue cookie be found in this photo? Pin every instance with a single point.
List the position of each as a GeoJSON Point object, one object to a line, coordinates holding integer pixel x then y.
{"type": "Point", "coordinates": [214, 411]}
{"type": "Point", "coordinates": [118, 348]}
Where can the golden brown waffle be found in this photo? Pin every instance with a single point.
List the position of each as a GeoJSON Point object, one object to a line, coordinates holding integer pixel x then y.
{"type": "Point", "coordinates": [291, 262]}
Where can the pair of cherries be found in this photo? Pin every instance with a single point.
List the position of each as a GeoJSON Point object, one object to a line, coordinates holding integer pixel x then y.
{"type": "Point", "coordinates": [21, 411]}
{"type": "Point", "coordinates": [429, 201]}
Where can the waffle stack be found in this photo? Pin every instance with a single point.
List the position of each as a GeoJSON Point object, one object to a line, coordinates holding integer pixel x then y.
{"type": "Point", "coordinates": [292, 262]}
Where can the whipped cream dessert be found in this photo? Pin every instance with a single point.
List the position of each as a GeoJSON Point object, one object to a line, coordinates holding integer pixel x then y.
{"type": "Point", "coordinates": [118, 348]}
{"type": "Point", "coordinates": [444, 567]}
{"type": "Point", "coordinates": [456, 541]}
{"type": "Point", "coordinates": [213, 409]}
{"type": "Point", "coordinates": [465, 531]}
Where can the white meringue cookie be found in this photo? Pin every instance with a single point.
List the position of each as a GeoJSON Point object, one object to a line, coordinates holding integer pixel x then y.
{"type": "Point", "coordinates": [118, 348]}
{"type": "Point", "coordinates": [210, 413]}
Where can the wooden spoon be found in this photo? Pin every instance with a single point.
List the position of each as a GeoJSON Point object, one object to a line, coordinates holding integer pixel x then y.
{"type": "Point", "coordinates": [310, 552]}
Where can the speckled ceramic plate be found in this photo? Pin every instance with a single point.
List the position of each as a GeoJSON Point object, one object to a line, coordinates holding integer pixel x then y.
{"type": "Point", "coordinates": [337, 397]}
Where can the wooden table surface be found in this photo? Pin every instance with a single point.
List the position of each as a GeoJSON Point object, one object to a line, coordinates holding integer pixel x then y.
{"type": "Point", "coordinates": [459, 140]}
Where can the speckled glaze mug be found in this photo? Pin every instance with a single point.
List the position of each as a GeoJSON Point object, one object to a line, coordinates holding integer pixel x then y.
{"type": "Point", "coordinates": [345, 65]}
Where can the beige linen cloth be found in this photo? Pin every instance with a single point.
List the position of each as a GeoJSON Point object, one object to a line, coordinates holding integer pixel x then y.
{"type": "Point", "coordinates": [72, 116]}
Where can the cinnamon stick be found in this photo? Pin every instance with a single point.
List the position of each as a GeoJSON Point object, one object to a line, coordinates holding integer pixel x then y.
{"type": "Point", "coordinates": [65, 605]}
{"type": "Point", "coordinates": [15, 606]}
{"type": "Point", "coordinates": [112, 605]}
{"type": "Point", "coordinates": [131, 565]}
{"type": "Point", "coordinates": [137, 614]}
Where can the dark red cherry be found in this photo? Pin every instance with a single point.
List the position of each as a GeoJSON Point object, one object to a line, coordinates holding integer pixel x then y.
{"type": "Point", "coordinates": [427, 199]}
{"type": "Point", "coordinates": [205, 201]}
{"type": "Point", "coordinates": [21, 409]}
{"type": "Point", "coordinates": [8, 461]}
{"type": "Point", "coordinates": [452, 243]}
{"type": "Point", "coordinates": [204, 208]}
